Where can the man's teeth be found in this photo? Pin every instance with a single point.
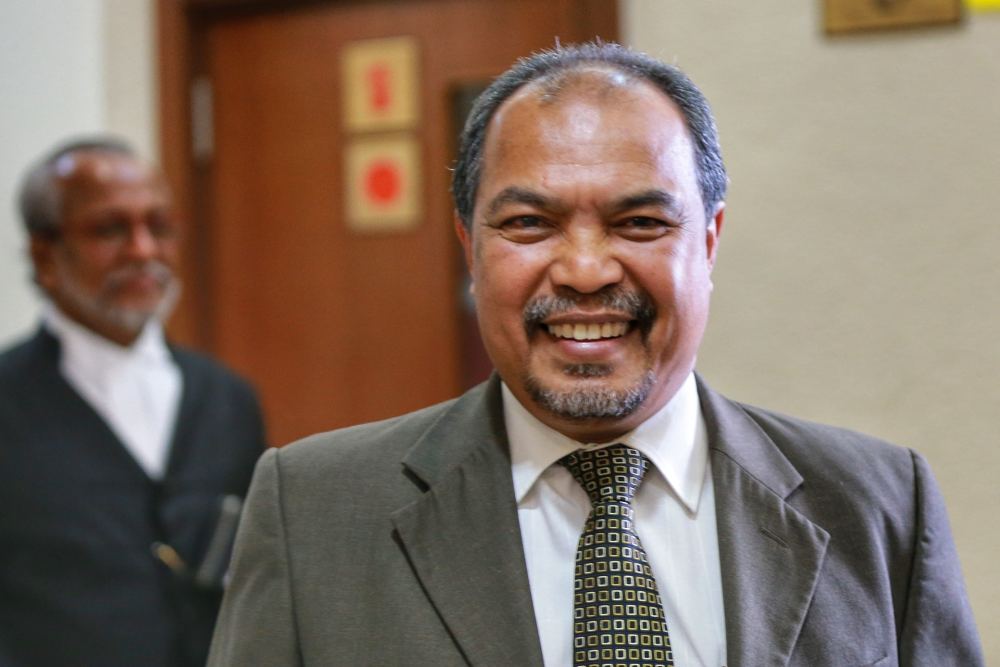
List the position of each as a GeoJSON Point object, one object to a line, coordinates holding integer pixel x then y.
{"type": "Point", "coordinates": [589, 331]}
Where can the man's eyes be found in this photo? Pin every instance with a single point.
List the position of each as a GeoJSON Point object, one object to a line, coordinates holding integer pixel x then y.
{"type": "Point", "coordinates": [110, 230]}
{"type": "Point", "coordinates": [158, 226]}
{"type": "Point", "coordinates": [642, 222]}
{"type": "Point", "coordinates": [640, 227]}
{"type": "Point", "coordinates": [522, 222]}
{"type": "Point", "coordinates": [532, 228]}
{"type": "Point", "coordinates": [524, 228]}
{"type": "Point", "coordinates": [161, 225]}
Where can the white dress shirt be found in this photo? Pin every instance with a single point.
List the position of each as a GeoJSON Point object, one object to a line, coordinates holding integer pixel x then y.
{"type": "Point", "coordinates": [135, 389]}
{"type": "Point", "coordinates": [674, 516]}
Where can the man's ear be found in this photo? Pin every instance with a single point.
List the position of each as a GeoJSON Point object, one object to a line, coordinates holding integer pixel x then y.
{"type": "Point", "coordinates": [42, 251]}
{"type": "Point", "coordinates": [713, 232]}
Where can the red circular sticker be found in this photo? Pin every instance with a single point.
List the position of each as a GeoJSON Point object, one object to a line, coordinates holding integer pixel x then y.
{"type": "Point", "coordinates": [382, 181]}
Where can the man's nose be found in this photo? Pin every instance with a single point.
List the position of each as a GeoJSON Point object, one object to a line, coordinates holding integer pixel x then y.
{"type": "Point", "coordinates": [586, 263]}
{"type": "Point", "coordinates": [141, 242]}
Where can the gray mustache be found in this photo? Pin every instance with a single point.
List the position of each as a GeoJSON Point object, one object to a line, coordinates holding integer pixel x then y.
{"type": "Point", "coordinates": [634, 305]}
{"type": "Point", "coordinates": [158, 270]}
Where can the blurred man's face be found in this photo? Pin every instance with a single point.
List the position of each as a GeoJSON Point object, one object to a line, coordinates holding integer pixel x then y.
{"type": "Point", "coordinates": [111, 267]}
{"type": "Point", "coordinates": [590, 253]}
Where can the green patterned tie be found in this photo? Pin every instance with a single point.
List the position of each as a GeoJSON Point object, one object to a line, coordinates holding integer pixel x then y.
{"type": "Point", "coordinates": [618, 618]}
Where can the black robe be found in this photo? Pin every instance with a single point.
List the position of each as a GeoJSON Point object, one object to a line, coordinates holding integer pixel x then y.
{"type": "Point", "coordinates": [79, 582]}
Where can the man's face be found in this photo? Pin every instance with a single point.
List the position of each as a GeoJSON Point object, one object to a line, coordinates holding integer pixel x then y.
{"type": "Point", "coordinates": [590, 253]}
{"type": "Point", "coordinates": [111, 266]}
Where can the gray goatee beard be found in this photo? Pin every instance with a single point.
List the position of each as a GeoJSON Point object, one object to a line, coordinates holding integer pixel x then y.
{"type": "Point", "coordinates": [102, 309]}
{"type": "Point", "coordinates": [597, 402]}
{"type": "Point", "coordinates": [588, 403]}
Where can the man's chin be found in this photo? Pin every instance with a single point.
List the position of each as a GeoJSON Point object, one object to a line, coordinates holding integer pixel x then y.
{"type": "Point", "coordinates": [132, 315]}
{"type": "Point", "coordinates": [132, 320]}
{"type": "Point", "coordinates": [583, 395]}
{"type": "Point", "coordinates": [137, 312]}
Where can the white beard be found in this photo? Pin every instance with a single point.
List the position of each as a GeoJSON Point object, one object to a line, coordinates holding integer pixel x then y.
{"type": "Point", "coordinates": [99, 308]}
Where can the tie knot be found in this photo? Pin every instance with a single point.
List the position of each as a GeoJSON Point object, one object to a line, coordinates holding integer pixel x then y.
{"type": "Point", "coordinates": [609, 474]}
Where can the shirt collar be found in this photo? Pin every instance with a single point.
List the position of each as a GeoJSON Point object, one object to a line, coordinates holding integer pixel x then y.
{"type": "Point", "coordinates": [674, 439]}
{"type": "Point", "coordinates": [95, 351]}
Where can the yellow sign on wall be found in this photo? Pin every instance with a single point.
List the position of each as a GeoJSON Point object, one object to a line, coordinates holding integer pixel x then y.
{"type": "Point", "coordinates": [983, 5]}
{"type": "Point", "coordinates": [383, 183]}
{"type": "Point", "coordinates": [851, 15]}
{"type": "Point", "coordinates": [380, 84]}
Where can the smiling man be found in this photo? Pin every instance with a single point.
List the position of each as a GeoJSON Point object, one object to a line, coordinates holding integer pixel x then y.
{"type": "Point", "coordinates": [594, 503]}
{"type": "Point", "coordinates": [591, 251]}
{"type": "Point", "coordinates": [117, 450]}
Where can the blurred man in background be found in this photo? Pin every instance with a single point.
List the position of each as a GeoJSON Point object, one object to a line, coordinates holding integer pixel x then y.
{"type": "Point", "coordinates": [123, 458]}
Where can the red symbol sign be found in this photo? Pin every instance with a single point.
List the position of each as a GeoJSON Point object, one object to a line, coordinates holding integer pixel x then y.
{"type": "Point", "coordinates": [383, 182]}
{"type": "Point", "coordinates": [380, 86]}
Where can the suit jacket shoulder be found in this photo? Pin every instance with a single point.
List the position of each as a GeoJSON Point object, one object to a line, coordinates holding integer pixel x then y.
{"type": "Point", "coordinates": [363, 444]}
{"type": "Point", "coordinates": [874, 472]}
{"type": "Point", "coordinates": [197, 362]}
{"type": "Point", "coordinates": [22, 360]}
{"type": "Point", "coordinates": [835, 546]}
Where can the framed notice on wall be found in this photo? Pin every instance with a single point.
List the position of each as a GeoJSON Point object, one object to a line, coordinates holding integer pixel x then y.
{"type": "Point", "coordinates": [841, 16]}
{"type": "Point", "coordinates": [383, 183]}
{"type": "Point", "coordinates": [380, 84]}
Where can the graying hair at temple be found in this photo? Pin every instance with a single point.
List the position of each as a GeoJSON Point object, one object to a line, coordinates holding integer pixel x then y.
{"type": "Point", "coordinates": [549, 67]}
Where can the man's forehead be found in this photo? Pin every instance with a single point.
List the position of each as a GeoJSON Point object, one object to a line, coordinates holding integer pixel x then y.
{"type": "Point", "coordinates": [595, 82]}
{"type": "Point", "coordinates": [638, 115]}
{"type": "Point", "coordinates": [537, 136]}
{"type": "Point", "coordinates": [577, 91]}
{"type": "Point", "coordinates": [100, 166]}
{"type": "Point", "coordinates": [88, 174]}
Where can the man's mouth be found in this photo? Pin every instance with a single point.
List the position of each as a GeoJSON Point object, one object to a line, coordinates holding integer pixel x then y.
{"type": "Point", "coordinates": [149, 275]}
{"type": "Point", "coordinates": [589, 330]}
{"type": "Point", "coordinates": [606, 315]}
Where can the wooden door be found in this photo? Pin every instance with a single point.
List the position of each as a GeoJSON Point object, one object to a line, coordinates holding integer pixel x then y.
{"type": "Point", "coordinates": [334, 325]}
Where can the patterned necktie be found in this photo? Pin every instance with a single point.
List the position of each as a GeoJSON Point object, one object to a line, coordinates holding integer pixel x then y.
{"type": "Point", "coordinates": [618, 618]}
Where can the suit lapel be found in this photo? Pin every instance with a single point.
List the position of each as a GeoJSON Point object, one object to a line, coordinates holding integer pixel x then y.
{"type": "Point", "coordinates": [770, 553]}
{"type": "Point", "coordinates": [462, 536]}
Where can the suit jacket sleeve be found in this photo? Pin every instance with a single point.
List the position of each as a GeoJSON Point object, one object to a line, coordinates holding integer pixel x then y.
{"type": "Point", "coordinates": [938, 626]}
{"type": "Point", "coordinates": [256, 625]}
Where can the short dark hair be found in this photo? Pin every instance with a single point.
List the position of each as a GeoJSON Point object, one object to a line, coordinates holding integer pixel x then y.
{"type": "Point", "coordinates": [562, 60]}
{"type": "Point", "coordinates": [39, 197]}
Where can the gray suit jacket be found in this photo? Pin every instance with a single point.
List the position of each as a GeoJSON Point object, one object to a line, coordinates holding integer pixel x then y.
{"type": "Point", "coordinates": [397, 543]}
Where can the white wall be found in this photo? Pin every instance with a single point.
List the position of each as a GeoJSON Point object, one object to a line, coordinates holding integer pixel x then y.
{"type": "Point", "coordinates": [129, 60]}
{"type": "Point", "coordinates": [858, 262]}
{"type": "Point", "coordinates": [67, 67]}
